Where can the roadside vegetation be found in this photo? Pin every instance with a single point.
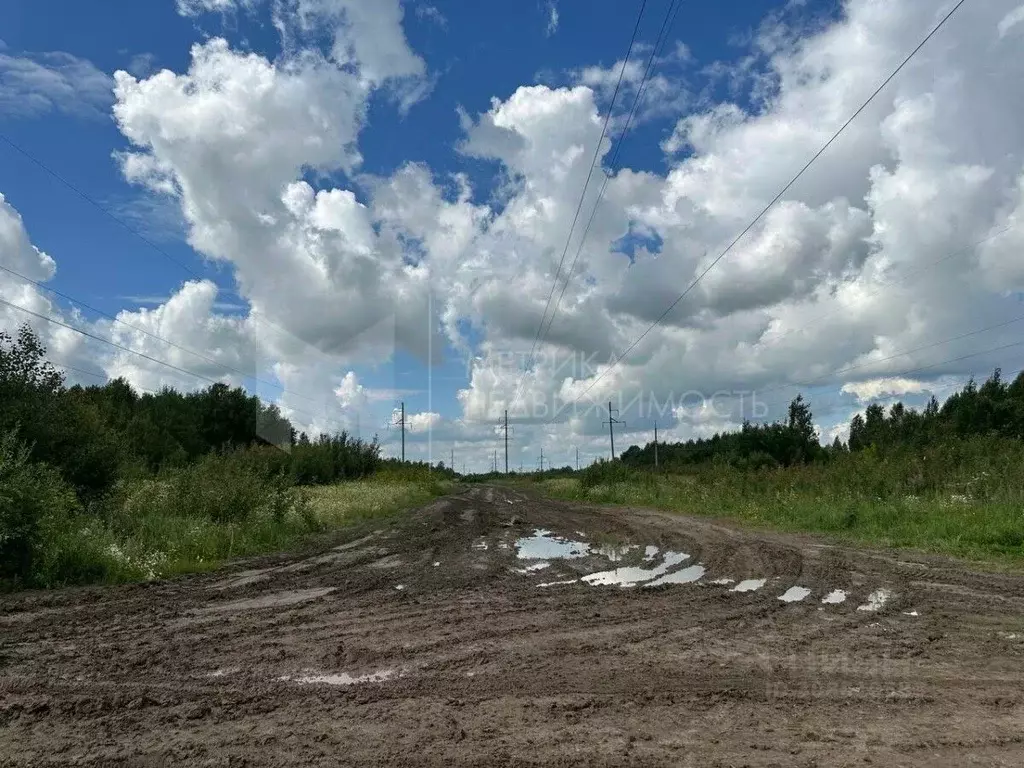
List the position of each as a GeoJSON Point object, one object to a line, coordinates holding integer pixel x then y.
{"type": "Point", "coordinates": [102, 484]}
{"type": "Point", "coordinates": [946, 479]}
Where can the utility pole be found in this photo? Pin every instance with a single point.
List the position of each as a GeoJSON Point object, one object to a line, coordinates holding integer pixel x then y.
{"type": "Point", "coordinates": [542, 459]}
{"type": "Point", "coordinates": [505, 427]}
{"type": "Point", "coordinates": [577, 458]}
{"type": "Point", "coordinates": [494, 466]}
{"type": "Point", "coordinates": [401, 423]}
{"type": "Point", "coordinates": [612, 421]}
{"type": "Point", "coordinates": [453, 460]}
{"type": "Point", "coordinates": [655, 445]}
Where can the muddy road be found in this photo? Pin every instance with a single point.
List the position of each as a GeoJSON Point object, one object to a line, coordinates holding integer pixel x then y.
{"type": "Point", "coordinates": [655, 639]}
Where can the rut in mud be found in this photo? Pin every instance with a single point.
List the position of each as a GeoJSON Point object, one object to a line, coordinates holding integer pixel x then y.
{"type": "Point", "coordinates": [492, 627]}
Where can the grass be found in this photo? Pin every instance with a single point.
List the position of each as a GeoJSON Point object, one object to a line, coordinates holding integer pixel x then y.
{"type": "Point", "coordinates": [148, 538]}
{"type": "Point", "coordinates": [972, 509]}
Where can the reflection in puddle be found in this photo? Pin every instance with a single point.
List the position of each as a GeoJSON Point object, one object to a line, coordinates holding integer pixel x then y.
{"type": "Point", "coordinates": [724, 582]}
{"type": "Point", "coordinates": [684, 576]}
{"type": "Point", "coordinates": [557, 583]}
{"type": "Point", "coordinates": [544, 545]}
{"type": "Point", "coordinates": [342, 678]}
{"type": "Point", "coordinates": [650, 553]}
{"type": "Point", "coordinates": [630, 576]}
{"type": "Point", "coordinates": [794, 594]}
{"type": "Point", "coordinates": [835, 597]}
{"type": "Point", "coordinates": [876, 600]}
{"type": "Point", "coordinates": [750, 585]}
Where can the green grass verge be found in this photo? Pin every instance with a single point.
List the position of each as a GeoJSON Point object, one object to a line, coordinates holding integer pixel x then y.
{"type": "Point", "coordinates": [150, 539]}
{"type": "Point", "coordinates": [989, 530]}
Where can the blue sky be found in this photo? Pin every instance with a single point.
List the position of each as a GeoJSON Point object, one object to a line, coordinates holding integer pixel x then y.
{"type": "Point", "coordinates": [479, 61]}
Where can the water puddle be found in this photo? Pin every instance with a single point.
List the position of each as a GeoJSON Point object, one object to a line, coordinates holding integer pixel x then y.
{"type": "Point", "coordinates": [342, 678]}
{"type": "Point", "coordinates": [557, 583]}
{"type": "Point", "coordinates": [684, 576]}
{"type": "Point", "coordinates": [650, 553]}
{"type": "Point", "coordinates": [724, 582]}
{"type": "Point", "coordinates": [750, 585]}
{"type": "Point", "coordinates": [794, 594]}
{"type": "Point", "coordinates": [539, 566]}
{"type": "Point", "coordinates": [632, 575]}
{"type": "Point", "coordinates": [876, 600]}
{"type": "Point", "coordinates": [544, 545]}
{"type": "Point", "coordinates": [835, 597]}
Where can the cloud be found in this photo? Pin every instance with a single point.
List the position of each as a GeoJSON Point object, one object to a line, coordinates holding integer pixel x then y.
{"type": "Point", "coordinates": [37, 84]}
{"type": "Point", "coordinates": [142, 64]}
{"type": "Point", "coordinates": [875, 389]}
{"type": "Point", "coordinates": [552, 26]}
{"type": "Point", "coordinates": [1011, 20]}
{"type": "Point", "coordinates": [342, 268]}
{"type": "Point", "coordinates": [432, 14]}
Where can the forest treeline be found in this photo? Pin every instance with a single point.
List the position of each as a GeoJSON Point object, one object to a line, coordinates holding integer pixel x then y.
{"type": "Point", "coordinates": [73, 455]}
{"type": "Point", "coordinates": [994, 409]}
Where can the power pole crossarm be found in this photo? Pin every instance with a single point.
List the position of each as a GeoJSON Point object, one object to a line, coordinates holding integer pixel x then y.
{"type": "Point", "coordinates": [612, 421]}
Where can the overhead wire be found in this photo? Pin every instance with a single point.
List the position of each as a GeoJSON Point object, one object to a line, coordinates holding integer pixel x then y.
{"type": "Point", "coordinates": [145, 356]}
{"type": "Point", "coordinates": [583, 194]}
{"type": "Point", "coordinates": [774, 200]}
{"type": "Point", "coordinates": [156, 337]}
{"type": "Point", "coordinates": [659, 47]}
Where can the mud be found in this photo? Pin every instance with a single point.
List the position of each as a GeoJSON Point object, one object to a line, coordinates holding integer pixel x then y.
{"type": "Point", "coordinates": [318, 659]}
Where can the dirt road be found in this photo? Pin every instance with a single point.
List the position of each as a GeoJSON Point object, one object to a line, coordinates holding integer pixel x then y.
{"type": "Point", "coordinates": [432, 642]}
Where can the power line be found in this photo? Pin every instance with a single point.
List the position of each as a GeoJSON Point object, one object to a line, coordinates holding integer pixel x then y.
{"type": "Point", "coordinates": [904, 353]}
{"type": "Point", "coordinates": [583, 194]}
{"type": "Point", "coordinates": [27, 155]}
{"type": "Point", "coordinates": [774, 200]}
{"type": "Point", "coordinates": [143, 355]}
{"type": "Point", "coordinates": [115, 319]}
{"type": "Point", "coordinates": [659, 46]}
{"type": "Point", "coordinates": [125, 225]}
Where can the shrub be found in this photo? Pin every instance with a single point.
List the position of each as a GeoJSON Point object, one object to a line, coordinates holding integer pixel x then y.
{"type": "Point", "coordinates": [32, 495]}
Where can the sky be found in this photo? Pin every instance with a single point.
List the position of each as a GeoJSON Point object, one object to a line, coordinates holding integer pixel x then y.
{"type": "Point", "coordinates": [344, 206]}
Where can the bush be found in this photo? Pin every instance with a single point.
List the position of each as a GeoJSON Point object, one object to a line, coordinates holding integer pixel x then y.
{"type": "Point", "coordinates": [32, 497]}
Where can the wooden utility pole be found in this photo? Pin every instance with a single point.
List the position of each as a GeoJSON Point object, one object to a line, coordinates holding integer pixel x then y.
{"type": "Point", "coordinates": [612, 421]}
{"type": "Point", "coordinates": [655, 445]}
{"type": "Point", "coordinates": [577, 459]}
{"type": "Point", "coordinates": [542, 459]}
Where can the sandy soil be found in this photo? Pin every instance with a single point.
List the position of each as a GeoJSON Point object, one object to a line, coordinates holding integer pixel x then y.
{"type": "Point", "coordinates": [430, 643]}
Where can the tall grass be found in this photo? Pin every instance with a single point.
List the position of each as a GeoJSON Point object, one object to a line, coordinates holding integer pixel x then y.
{"type": "Point", "coordinates": [185, 519]}
{"type": "Point", "coordinates": [964, 498]}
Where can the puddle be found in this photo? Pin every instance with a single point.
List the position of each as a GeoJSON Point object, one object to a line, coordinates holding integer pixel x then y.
{"type": "Point", "coordinates": [876, 600]}
{"type": "Point", "coordinates": [684, 576]}
{"type": "Point", "coordinates": [480, 545]}
{"type": "Point", "coordinates": [650, 553]}
{"type": "Point", "coordinates": [750, 585]}
{"type": "Point", "coordinates": [342, 678]}
{"type": "Point", "coordinates": [544, 545]}
{"type": "Point", "coordinates": [724, 581]}
{"type": "Point", "coordinates": [437, 564]}
{"type": "Point", "coordinates": [835, 597]}
{"type": "Point", "coordinates": [794, 594]}
{"type": "Point", "coordinates": [632, 575]}
{"type": "Point", "coordinates": [540, 566]}
{"type": "Point", "coordinates": [399, 587]}
{"type": "Point", "coordinates": [911, 613]}
{"type": "Point", "coordinates": [557, 583]}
